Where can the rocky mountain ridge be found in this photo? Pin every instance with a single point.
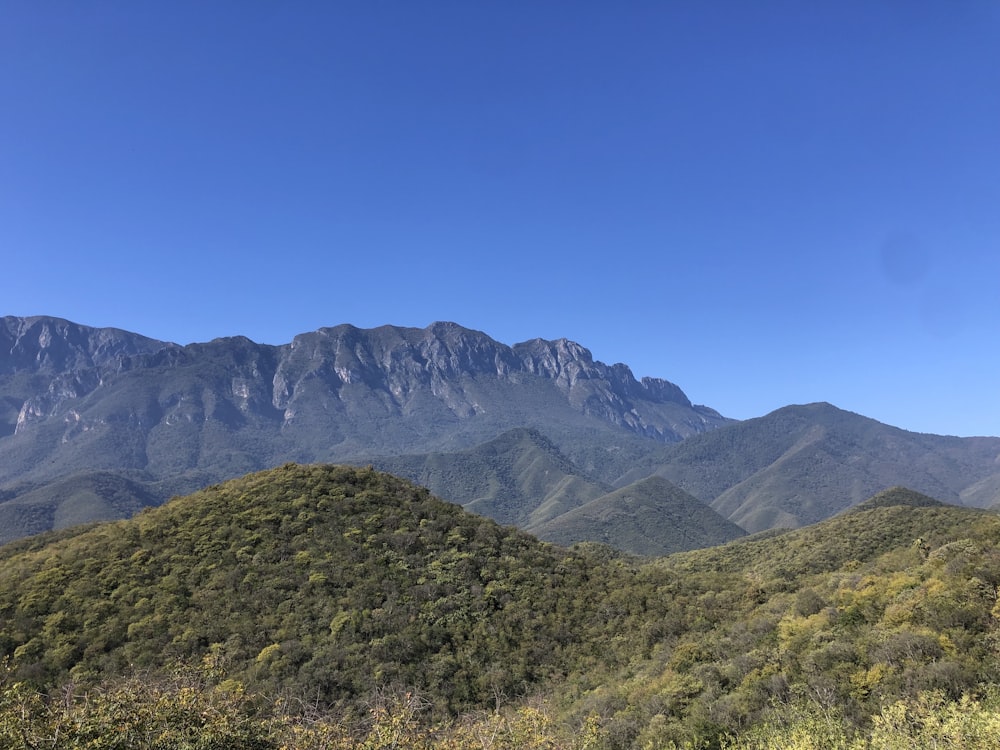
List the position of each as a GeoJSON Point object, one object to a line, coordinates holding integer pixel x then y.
{"type": "Point", "coordinates": [399, 364]}
{"type": "Point", "coordinates": [76, 400]}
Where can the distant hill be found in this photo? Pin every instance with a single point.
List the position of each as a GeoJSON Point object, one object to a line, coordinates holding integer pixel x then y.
{"type": "Point", "coordinates": [801, 464]}
{"type": "Point", "coordinates": [69, 501]}
{"type": "Point", "coordinates": [519, 478]}
{"type": "Point", "coordinates": [651, 517]}
{"type": "Point", "coordinates": [896, 496]}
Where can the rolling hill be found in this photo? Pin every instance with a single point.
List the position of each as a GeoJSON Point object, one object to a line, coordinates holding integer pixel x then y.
{"type": "Point", "coordinates": [333, 586]}
{"type": "Point", "coordinates": [651, 517]}
{"type": "Point", "coordinates": [347, 578]}
{"type": "Point", "coordinates": [519, 478]}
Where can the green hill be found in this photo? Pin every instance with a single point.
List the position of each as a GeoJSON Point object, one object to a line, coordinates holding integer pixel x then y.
{"type": "Point", "coordinates": [327, 580]}
{"type": "Point", "coordinates": [895, 496]}
{"type": "Point", "coordinates": [821, 629]}
{"type": "Point", "coordinates": [338, 588]}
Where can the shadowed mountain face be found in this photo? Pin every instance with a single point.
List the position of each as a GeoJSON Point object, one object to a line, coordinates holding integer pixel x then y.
{"type": "Point", "coordinates": [651, 517]}
{"type": "Point", "coordinates": [520, 478]}
{"type": "Point", "coordinates": [75, 399]}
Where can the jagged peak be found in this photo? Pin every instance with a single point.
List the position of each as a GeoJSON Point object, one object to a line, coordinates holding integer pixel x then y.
{"type": "Point", "coordinates": [445, 328]}
{"type": "Point", "coordinates": [561, 346]}
{"type": "Point", "coordinates": [56, 344]}
{"type": "Point", "coordinates": [16, 325]}
{"type": "Point", "coordinates": [447, 345]}
{"type": "Point", "coordinates": [664, 390]}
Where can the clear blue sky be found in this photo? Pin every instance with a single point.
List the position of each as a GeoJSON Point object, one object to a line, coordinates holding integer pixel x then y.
{"type": "Point", "coordinates": [764, 202]}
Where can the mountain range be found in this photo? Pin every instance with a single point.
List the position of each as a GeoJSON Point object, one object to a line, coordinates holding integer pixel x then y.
{"type": "Point", "coordinates": [96, 423]}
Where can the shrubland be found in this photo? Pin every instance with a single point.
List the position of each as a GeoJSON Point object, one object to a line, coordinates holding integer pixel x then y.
{"type": "Point", "coordinates": [320, 606]}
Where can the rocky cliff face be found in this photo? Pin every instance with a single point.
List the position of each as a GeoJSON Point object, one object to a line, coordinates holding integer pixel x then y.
{"type": "Point", "coordinates": [46, 362]}
{"type": "Point", "coordinates": [445, 361]}
{"type": "Point", "coordinates": [59, 347]}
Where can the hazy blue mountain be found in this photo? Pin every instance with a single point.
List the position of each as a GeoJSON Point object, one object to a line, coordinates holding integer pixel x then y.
{"type": "Point", "coordinates": [523, 433]}
{"type": "Point", "coordinates": [801, 464]}
{"type": "Point", "coordinates": [519, 478]}
{"type": "Point", "coordinates": [651, 517]}
{"type": "Point", "coordinates": [72, 500]}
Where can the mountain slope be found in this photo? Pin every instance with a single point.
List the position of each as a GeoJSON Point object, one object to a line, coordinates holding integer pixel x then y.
{"type": "Point", "coordinates": [838, 620]}
{"type": "Point", "coordinates": [651, 517]}
{"type": "Point", "coordinates": [170, 419]}
{"type": "Point", "coordinates": [69, 501]}
{"type": "Point", "coordinates": [801, 464]}
{"type": "Point", "coordinates": [519, 478]}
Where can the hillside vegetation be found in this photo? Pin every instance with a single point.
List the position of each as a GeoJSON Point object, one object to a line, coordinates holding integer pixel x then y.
{"type": "Point", "coordinates": [322, 606]}
{"type": "Point", "coordinates": [327, 580]}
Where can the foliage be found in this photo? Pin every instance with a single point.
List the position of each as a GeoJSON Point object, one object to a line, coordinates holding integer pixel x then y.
{"type": "Point", "coordinates": [333, 579]}
{"type": "Point", "coordinates": [370, 612]}
{"type": "Point", "coordinates": [796, 620]}
{"type": "Point", "coordinates": [928, 720]}
{"type": "Point", "coordinates": [182, 713]}
{"type": "Point", "coordinates": [185, 712]}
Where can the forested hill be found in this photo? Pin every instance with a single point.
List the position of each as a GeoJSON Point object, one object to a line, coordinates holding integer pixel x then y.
{"type": "Point", "coordinates": [329, 580]}
{"type": "Point", "coordinates": [336, 587]}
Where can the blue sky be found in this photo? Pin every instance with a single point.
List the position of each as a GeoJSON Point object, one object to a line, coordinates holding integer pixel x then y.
{"type": "Point", "coordinates": [765, 203]}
